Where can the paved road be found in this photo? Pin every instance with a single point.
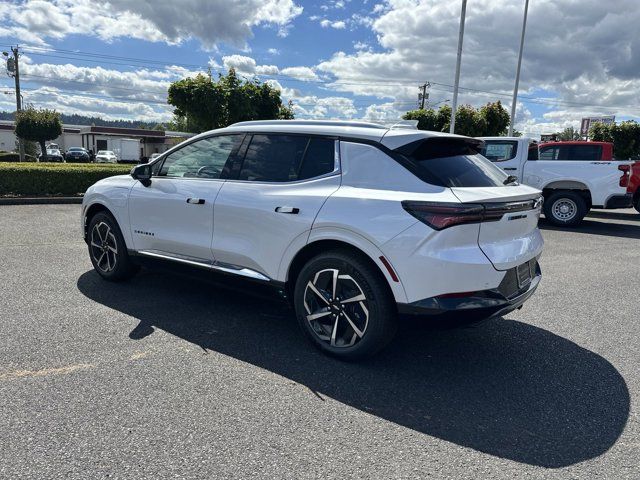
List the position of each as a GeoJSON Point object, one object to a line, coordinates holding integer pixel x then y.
{"type": "Point", "coordinates": [165, 377]}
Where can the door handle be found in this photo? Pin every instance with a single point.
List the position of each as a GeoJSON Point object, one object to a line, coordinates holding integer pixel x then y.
{"type": "Point", "coordinates": [195, 201]}
{"type": "Point", "coordinates": [509, 168]}
{"type": "Point", "coordinates": [291, 210]}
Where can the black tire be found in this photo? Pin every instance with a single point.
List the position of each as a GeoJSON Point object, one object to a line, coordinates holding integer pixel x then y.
{"type": "Point", "coordinates": [107, 250]}
{"type": "Point", "coordinates": [565, 208]}
{"type": "Point", "coordinates": [374, 317]}
{"type": "Point", "coordinates": [636, 204]}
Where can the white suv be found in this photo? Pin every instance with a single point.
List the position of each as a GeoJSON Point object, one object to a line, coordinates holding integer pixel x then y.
{"type": "Point", "coordinates": [353, 222]}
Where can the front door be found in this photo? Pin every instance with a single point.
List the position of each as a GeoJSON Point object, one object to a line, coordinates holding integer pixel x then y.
{"type": "Point", "coordinates": [174, 215]}
{"type": "Point", "coordinates": [279, 187]}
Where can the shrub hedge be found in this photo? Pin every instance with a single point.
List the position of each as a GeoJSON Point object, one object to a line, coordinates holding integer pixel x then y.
{"type": "Point", "coordinates": [15, 157]}
{"type": "Point", "coordinates": [42, 179]}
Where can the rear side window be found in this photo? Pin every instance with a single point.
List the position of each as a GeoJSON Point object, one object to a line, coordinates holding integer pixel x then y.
{"type": "Point", "coordinates": [499, 150]}
{"type": "Point", "coordinates": [585, 152]}
{"type": "Point", "coordinates": [455, 164]}
{"type": "Point", "coordinates": [571, 152]}
{"type": "Point", "coordinates": [286, 158]}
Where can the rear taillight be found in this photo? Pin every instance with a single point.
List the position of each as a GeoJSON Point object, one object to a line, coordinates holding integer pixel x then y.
{"type": "Point", "coordinates": [624, 179]}
{"type": "Point", "coordinates": [439, 215]}
{"type": "Point", "coordinates": [443, 215]}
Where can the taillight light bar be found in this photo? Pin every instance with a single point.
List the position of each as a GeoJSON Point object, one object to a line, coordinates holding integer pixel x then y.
{"type": "Point", "coordinates": [624, 179]}
{"type": "Point", "coordinates": [441, 215]}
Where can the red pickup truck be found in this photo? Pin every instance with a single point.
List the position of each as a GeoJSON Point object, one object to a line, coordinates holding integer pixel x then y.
{"type": "Point", "coordinates": [633, 187]}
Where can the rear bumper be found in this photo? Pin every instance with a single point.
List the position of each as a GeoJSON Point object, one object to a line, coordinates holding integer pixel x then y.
{"type": "Point", "coordinates": [619, 201]}
{"type": "Point", "coordinates": [478, 305]}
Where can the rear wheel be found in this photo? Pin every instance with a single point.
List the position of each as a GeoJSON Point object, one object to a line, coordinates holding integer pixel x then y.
{"type": "Point", "coordinates": [565, 208]}
{"type": "Point", "coordinates": [636, 204]}
{"type": "Point", "coordinates": [344, 305]}
{"type": "Point", "coordinates": [107, 249]}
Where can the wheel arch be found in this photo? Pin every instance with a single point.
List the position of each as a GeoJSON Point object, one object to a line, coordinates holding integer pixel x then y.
{"type": "Point", "coordinates": [369, 252]}
{"type": "Point", "coordinates": [571, 185]}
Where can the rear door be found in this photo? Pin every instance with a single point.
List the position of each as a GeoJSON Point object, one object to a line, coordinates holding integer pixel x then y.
{"type": "Point", "coordinates": [280, 183]}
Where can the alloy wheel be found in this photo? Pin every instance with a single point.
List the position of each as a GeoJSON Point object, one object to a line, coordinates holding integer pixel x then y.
{"type": "Point", "coordinates": [336, 308]}
{"type": "Point", "coordinates": [104, 248]}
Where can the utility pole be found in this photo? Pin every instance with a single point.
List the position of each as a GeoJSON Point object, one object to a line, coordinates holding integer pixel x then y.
{"type": "Point", "coordinates": [423, 96]}
{"type": "Point", "coordinates": [13, 70]}
{"type": "Point", "coordinates": [515, 88]}
{"type": "Point", "coordinates": [454, 104]}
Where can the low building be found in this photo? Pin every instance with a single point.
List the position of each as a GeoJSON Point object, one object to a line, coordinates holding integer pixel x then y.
{"type": "Point", "coordinates": [130, 144]}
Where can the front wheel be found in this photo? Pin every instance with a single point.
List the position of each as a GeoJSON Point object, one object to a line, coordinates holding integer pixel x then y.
{"type": "Point", "coordinates": [565, 209]}
{"type": "Point", "coordinates": [344, 305]}
{"type": "Point", "coordinates": [107, 249]}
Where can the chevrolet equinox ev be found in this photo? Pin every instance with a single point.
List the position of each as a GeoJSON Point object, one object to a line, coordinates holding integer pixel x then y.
{"type": "Point", "coordinates": [354, 222]}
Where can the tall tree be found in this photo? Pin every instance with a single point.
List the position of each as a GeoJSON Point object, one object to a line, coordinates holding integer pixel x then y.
{"type": "Point", "coordinates": [38, 126]}
{"type": "Point", "coordinates": [497, 119]}
{"type": "Point", "coordinates": [203, 104]}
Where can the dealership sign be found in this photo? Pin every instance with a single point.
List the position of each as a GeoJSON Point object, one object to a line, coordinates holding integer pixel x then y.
{"type": "Point", "coordinates": [588, 121]}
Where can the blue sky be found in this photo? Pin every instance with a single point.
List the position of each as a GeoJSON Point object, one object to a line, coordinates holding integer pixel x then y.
{"type": "Point", "coordinates": [332, 59]}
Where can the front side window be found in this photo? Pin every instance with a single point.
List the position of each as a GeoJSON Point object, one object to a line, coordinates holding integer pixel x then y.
{"type": "Point", "coordinates": [499, 150]}
{"type": "Point", "coordinates": [203, 158]}
{"type": "Point", "coordinates": [287, 158]}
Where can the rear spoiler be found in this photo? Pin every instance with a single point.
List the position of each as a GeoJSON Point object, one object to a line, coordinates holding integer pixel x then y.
{"type": "Point", "coordinates": [440, 146]}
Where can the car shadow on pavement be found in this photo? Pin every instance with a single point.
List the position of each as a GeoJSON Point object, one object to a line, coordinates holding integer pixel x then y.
{"type": "Point", "coordinates": [502, 387]}
{"type": "Point", "coordinates": [595, 227]}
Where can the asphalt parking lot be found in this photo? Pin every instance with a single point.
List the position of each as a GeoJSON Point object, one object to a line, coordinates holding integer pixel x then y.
{"type": "Point", "coordinates": [166, 377]}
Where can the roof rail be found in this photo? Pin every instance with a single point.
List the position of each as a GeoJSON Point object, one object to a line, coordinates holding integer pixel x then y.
{"type": "Point", "coordinates": [329, 123]}
{"type": "Point", "coordinates": [405, 124]}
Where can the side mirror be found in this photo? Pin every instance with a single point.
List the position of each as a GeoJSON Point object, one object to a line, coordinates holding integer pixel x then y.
{"type": "Point", "coordinates": [142, 173]}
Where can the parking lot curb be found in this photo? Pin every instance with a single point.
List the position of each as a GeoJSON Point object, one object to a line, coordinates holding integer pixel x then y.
{"type": "Point", "coordinates": [39, 200]}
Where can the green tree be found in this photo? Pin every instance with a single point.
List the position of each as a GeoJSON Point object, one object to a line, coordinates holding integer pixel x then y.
{"type": "Point", "coordinates": [625, 137]}
{"type": "Point", "coordinates": [38, 126]}
{"type": "Point", "coordinates": [568, 134]}
{"type": "Point", "coordinates": [203, 104]}
{"type": "Point", "coordinates": [427, 119]}
{"type": "Point", "coordinates": [490, 120]}
{"type": "Point", "coordinates": [470, 122]}
{"type": "Point", "coordinates": [497, 119]}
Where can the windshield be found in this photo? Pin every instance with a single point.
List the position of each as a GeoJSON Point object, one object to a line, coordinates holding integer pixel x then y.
{"type": "Point", "coordinates": [105, 152]}
{"type": "Point", "coordinates": [76, 149]}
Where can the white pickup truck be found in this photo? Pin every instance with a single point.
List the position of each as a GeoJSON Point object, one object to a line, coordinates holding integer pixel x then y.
{"type": "Point", "coordinates": [573, 176]}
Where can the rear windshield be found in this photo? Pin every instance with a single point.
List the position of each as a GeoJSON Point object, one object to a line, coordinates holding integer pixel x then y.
{"type": "Point", "coordinates": [456, 164]}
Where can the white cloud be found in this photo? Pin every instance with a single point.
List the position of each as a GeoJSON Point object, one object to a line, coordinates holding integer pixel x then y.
{"type": "Point", "coordinates": [273, 51]}
{"type": "Point", "coordinates": [209, 21]}
{"type": "Point", "coordinates": [587, 56]}
{"type": "Point", "coordinates": [337, 24]}
{"type": "Point", "coordinates": [324, 107]}
{"type": "Point", "coordinates": [301, 73]}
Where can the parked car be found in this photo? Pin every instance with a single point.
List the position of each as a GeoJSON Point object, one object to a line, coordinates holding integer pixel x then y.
{"type": "Point", "coordinates": [154, 156]}
{"type": "Point", "coordinates": [633, 186]}
{"type": "Point", "coordinates": [77, 154]}
{"type": "Point", "coordinates": [106, 156]}
{"type": "Point", "coordinates": [573, 176]}
{"type": "Point", "coordinates": [353, 222]}
{"type": "Point", "coordinates": [51, 155]}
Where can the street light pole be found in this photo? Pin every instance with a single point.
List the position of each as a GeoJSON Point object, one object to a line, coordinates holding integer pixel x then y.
{"type": "Point", "coordinates": [515, 88]}
{"type": "Point", "coordinates": [454, 104]}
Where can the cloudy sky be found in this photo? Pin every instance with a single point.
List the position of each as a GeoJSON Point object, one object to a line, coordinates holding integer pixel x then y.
{"type": "Point", "coordinates": [332, 58]}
